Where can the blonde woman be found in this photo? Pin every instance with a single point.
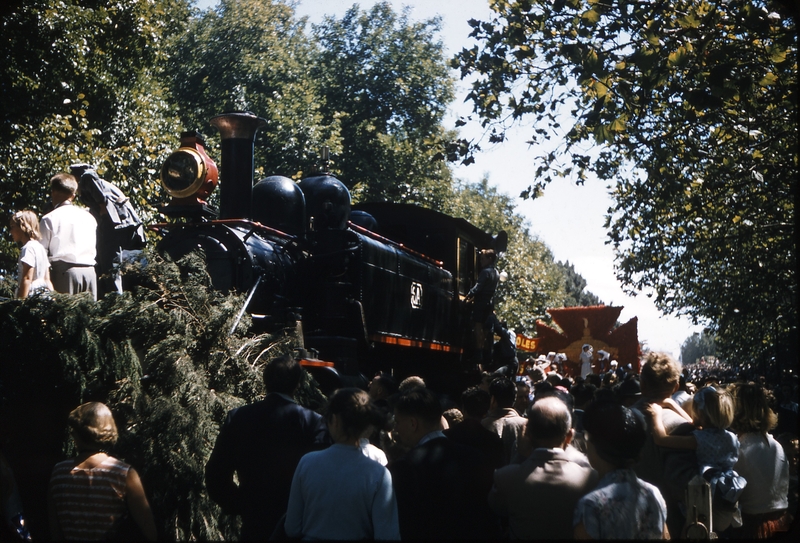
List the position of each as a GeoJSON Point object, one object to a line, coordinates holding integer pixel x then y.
{"type": "Point", "coordinates": [91, 494]}
{"type": "Point", "coordinates": [33, 266]}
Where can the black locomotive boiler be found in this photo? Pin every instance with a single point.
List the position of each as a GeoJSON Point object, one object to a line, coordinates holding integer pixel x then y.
{"type": "Point", "coordinates": [376, 287]}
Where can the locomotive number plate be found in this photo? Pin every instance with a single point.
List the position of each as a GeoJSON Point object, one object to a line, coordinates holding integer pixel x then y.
{"type": "Point", "coordinates": [416, 295]}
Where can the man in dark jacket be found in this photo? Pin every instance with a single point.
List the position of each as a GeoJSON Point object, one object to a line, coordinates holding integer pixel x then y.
{"type": "Point", "coordinates": [441, 485]}
{"type": "Point", "coordinates": [481, 296]}
{"type": "Point", "coordinates": [475, 404]}
{"type": "Point", "coordinates": [119, 227]}
{"type": "Point", "coordinates": [262, 443]}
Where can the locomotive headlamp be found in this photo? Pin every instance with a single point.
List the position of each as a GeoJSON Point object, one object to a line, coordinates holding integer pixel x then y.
{"type": "Point", "coordinates": [189, 171]}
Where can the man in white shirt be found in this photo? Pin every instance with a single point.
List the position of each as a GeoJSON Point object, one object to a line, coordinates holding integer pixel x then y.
{"type": "Point", "coordinates": [69, 233]}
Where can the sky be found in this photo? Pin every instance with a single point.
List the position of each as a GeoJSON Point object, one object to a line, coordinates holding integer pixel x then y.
{"type": "Point", "coordinates": [568, 218]}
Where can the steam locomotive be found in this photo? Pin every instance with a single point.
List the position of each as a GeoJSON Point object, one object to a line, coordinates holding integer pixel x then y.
{"type": "Point", "coordinates": [374, 287]}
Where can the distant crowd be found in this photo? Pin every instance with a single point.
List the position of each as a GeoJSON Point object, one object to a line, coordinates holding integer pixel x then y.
{"type": "Point", "coordinates": [533, 456]}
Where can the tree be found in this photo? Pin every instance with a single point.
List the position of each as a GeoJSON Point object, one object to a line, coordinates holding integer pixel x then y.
{"type": "Point", "coordinates": [161, 357]}
{"type": "Point", "coordinates": [535, 283]}
{"type": "Point", "coordinates": [253, 55]}
{"type": "Point", "coordinates": [577, 295]}
{"type": "Point", "coordinates": [81, 82]}
{"type": "Point", "coordinates": [697, 346]}
{"type": "Point", "coordinates": [691, 107]}
{"type": "Point", "coordinates": [384, 78]}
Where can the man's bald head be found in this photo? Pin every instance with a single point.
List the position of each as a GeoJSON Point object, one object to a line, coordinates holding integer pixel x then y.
{"type": "Point", "coordinates": [549, 423]}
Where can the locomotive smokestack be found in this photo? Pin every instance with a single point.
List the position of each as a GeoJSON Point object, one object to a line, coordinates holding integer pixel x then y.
{"type": "Point", "coordinates": [238, 132]}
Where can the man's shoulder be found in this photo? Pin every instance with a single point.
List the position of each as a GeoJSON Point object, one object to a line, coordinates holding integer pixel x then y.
{"type": "Point", "coordinates": [272, 405]}
{"type": "Point", "coordinates": [547, 467]}
{"type": "Point", "coordinates": [69, 211]}
{"type": "Point", "coordinates": [470, 431]}
{"type": "Point", "coordinates": [512, 418]}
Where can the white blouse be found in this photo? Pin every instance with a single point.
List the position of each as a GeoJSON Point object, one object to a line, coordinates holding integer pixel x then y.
{"type": "Point", "coordinates": [764, 466]}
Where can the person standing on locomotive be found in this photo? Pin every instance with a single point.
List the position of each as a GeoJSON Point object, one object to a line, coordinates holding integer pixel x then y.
{"type": "Point", "coordinates": [69, 234]}
{"type": "Point", "coordinates": [482, 298]}
{"type": "Point", "coordinates": [119, 226]}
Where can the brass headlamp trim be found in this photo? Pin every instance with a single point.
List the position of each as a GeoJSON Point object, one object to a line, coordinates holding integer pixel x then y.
{"type": "Point", "coordinates": [198, 181]}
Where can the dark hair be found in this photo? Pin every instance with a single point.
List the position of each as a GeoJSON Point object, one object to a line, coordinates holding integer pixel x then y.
{"type": "Point", "coordinates": [583, 393]}
{"type": "Point", "coordinates": [421, 403]}
{"type": "Point", "coordinates": [594, 379]}
{"type": "Point", "coordinates": [387, 382]}
{"type": "Point", "coordinates": [605, 394]}
{"type": "Point", "coordinates": [503, 391]}
{"type": "Point", "coordinates": [618, 433]}
{"type": "Point", "coordinates": [491, 255]}
{"type": "Point", "coordinates": [549, 418]}
{"type": "Point", "coordinates": [282, 375]}
{"type": "Point", "coordinates": [354, 408]}
{"type": "Point", "coordinates": [475, 402]}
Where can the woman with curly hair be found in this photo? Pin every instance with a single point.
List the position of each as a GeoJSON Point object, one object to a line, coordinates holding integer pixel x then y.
{"type": "Point", "coordinates": [762, 462]}
{"type": "Point", "coordinates": [90, 494]}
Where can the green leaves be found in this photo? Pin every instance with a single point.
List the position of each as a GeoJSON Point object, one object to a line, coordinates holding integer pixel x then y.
{"type": "Point", "coordinates": [385, 78]}
{"type": "Point", "coordinates": [671, 93]}
{"type": "Point", "coordinates": [65, 100]}
{"type": "Point", "coordinates": [591, 16]}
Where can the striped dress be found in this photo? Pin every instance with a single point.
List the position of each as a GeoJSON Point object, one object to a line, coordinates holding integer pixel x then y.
{"type": "Point", "coordinates": [89, 502]}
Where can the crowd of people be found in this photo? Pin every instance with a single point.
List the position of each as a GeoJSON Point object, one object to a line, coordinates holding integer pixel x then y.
{"type": "Point", "coordinates": [526, 457]}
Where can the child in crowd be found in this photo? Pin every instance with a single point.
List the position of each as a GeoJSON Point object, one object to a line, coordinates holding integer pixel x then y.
{"type": "Point", "coordinates": [717, 449]}
{"type": "Point", "coordinates": [33, 266]}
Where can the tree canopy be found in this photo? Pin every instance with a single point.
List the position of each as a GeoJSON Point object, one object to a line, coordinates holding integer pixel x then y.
{"type": "Point", "coordinates": [254, 55]}
{"type": "Point", "coordinates": [577, 295]}
{"type": "Point", "coordinates": [696, 347]}
{"type": "Point", "coordinates": [82, 82]}
{"type": "Point", "coordinates": [385, 80]}
{"type": "Point", "coordinates": [690, 108]}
